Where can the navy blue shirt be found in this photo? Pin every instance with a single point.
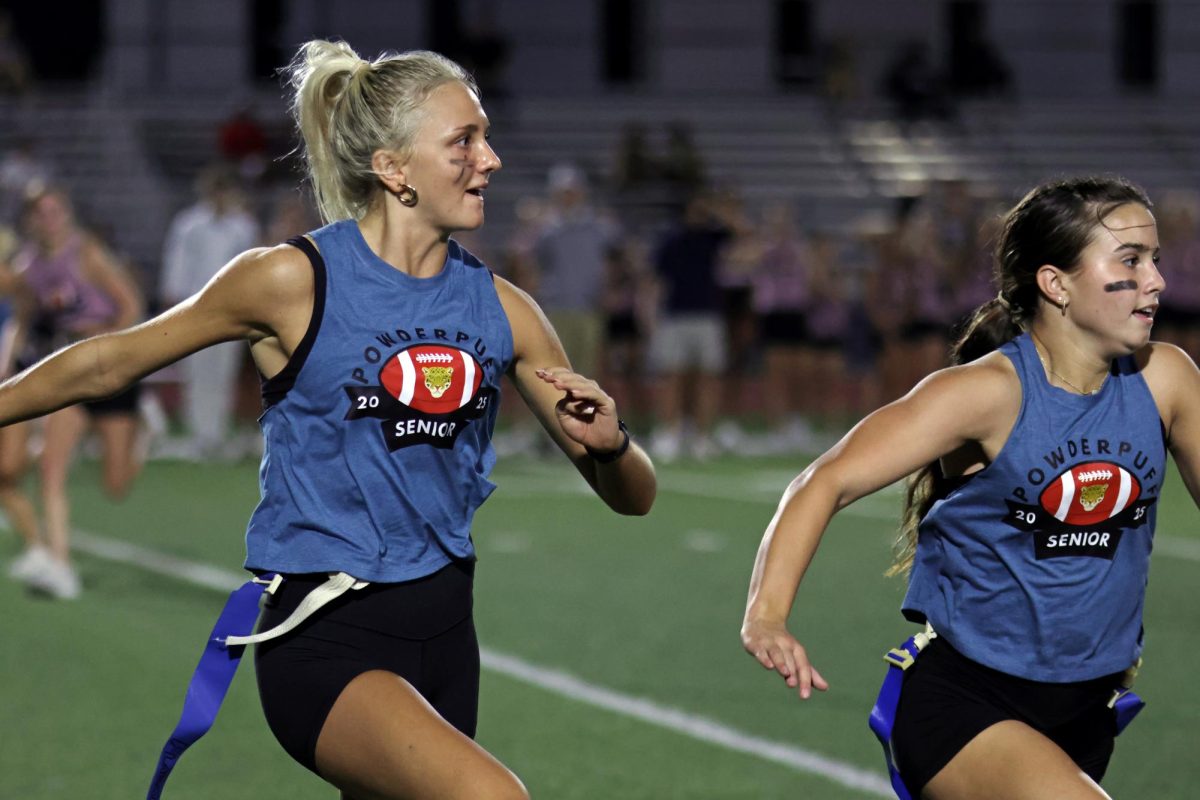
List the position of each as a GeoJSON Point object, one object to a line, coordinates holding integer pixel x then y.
{"type": "Point", "coordinates": [687, 262]}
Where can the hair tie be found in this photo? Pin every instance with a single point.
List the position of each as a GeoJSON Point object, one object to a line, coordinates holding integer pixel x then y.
{"type": "Point", "coordinates": [358, 72]}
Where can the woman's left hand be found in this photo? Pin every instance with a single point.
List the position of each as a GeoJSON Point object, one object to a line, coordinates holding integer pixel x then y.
{"type": "Point", "coordinates": [586, 413]}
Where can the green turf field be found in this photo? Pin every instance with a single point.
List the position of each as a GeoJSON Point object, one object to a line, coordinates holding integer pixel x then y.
{"type": "Point", "coordinates": [613, 647]}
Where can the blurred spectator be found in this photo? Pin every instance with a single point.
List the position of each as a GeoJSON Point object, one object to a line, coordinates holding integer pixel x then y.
{"type": "Point", "coordinates": [201, 239]}
{"type": "Point", "coordinates": [15, 75]}
{"type": "Point", "coordinates": [242, 141]}
{"type": "Point", "coordinates": [955, 215]}
{"type": "Point", "coordinates": [916, 87]}
{"type": "Point", "coordinates": [688, 349]}
{"type": "Point", "coordinates": [839, 73]}
{"type": "Point", "coordinates": [483, 50]}
{"type": "Point", "coordinates": [736, 269]}
{"type": "Point", "coordinates": [857, 263]}
{"type": "Point", "coordinates": [571, 256]}
{"type": "Point", "coordinates": [1178, 319]}
{"type": "Point", "coordinates": [910, 301]}
{"type": "Point", "coordinates": [292, 214]}
{"type": "Point", "coordinates": [71, 287]}
{"type": "Point", "coordinates": [970, 283]}
{"type": "Point", "coordinates": [682, 166]}
{"type": "Point", "coordinates": [14, 440]}
{"type": "Point", "coordinates": [629, 312]}
{"type": "Point", "coordinates": [827, 320]}
{"type": "Point", "coordinates": [22, 171]}
{"type": "Point", "coordinates": [520, 431]}
{"type": "Point", "coordinates": [634, 166]}
{"type": "Point", "coordinates": [518, 262]}
{"type": "Point", "coordinates": [984, 73]}
{"type": "Point", "coordinates": [782, 296]}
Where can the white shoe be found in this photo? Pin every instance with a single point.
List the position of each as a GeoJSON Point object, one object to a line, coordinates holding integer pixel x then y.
{"type": "Point", "coordinates": [799, 434]}
{"type": "Point", "coordinates": [29, 563]}
{"type": "Point", "coordinates": [666, 445]}
{"type": "Point", "coordinates": [702, 448]}
{"type": "Point", "coordinates": [58, 580]}
{"type": "Point", "coordinates": [729, 436]}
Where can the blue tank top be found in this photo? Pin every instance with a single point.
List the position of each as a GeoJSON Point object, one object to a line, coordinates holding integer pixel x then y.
{"type": "Point", "coordinates": [377, 433]}
{"type": "Point", "coordinates": [1037, 565]}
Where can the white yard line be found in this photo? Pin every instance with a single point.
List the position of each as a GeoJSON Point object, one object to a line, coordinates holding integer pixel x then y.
{"type": "Point", "coordinates": [550, 680]}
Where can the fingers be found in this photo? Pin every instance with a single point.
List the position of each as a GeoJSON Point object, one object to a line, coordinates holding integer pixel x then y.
{"type": "Point", "coordinates": [577, 407]}
{"type": "Point", "coordinates": [764, 659]}
{"type": "Point", "coordinates": [785, 655]}
{"type": "Point", "coordinates": [568, 381]}
{"type": "Point", "coordinates": [819, 682]}
{"type": "Point", "coordinates": [584, 395]}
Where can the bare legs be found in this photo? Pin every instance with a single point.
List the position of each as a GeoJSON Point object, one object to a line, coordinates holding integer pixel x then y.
{"type": "Point", "coordinates": [118, 448]}
{"type": "Point", "coordinates": [14, 460]}
{"type": "Point", "coordinates": [383, 741]}
{"type": "Point", "coordinates": [1011, 760]}
{"type": "Point", "coordinates": [63, 431]}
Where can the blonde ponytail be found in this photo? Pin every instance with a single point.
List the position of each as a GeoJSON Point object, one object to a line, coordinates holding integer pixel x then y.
{"type": "Point", "coordinates": [346, 108]}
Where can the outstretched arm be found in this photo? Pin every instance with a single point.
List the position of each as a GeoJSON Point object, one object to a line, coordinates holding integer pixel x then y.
{"type": "Point", "coordinates": [974, 403]}
{"type": "Point", "coordinates": [259, 296]}
{"type": "Point", "coordinates": [576, 412]}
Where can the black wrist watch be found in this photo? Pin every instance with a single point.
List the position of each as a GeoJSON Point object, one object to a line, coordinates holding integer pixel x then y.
{"type": "Point", "coordinates": [609, 456]}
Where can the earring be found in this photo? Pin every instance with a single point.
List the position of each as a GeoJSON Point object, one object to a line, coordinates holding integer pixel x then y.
{"type": "Point", "coordinates": [1062, 304]}
{"type": "Point", "coordinates": [407, 195]}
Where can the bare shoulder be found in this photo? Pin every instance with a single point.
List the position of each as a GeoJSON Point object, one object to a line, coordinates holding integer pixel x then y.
{"type": "Point", "coordinates": [1172, 376]}
{"type": "Point", "coordinates": [279, 268]}
{"type": "Point", "coordinates": [279, 274]}
{"type": "Point", "coordinates": [1160, 359]}
{"type": "Point", "coordinates": [981, 399]}
{"type": "Point", "coordinates": [989, 382]}
{"type": "Point", "coordinates": [513, 298]}
{"type": "Point", "coordinates": [530, 328]}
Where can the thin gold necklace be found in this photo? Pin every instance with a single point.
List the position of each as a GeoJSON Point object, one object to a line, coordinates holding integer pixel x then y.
{"type": "Point", "coordinates": [1046, 367]}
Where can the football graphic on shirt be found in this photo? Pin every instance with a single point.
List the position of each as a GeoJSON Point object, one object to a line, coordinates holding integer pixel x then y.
{"type": "Point", "coordinates": [431, 378]}
{"type": "Point", "coordinates": [1090, 493]}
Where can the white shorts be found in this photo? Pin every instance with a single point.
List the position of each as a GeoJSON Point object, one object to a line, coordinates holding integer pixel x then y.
{"type": "Point", "coordinates": [690, 341]}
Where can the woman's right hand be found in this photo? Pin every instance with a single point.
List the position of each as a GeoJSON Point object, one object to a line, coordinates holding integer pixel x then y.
{"type": "Point", "coordinates": [775, 648]}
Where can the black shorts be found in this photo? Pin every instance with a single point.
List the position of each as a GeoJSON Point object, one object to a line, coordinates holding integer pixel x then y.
{"type": "Point", "coordinates": [421, 630]}
{"type": "Point", "coordinates": [921, 329]}
{"type": "Point", "coordinates": [622, 327]}
{"type": "Point", "coordinates": [948, 699]}
{"type": "Point", "coordinates": [124, 403]}
{"type": "Point", "coordinates": [784, 328]}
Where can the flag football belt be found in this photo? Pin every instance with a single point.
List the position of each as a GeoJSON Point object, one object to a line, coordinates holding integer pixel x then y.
{"type": "Point", "coordinates": [1124, 703]}
{"type": "Point", "coordinates": [223, 652]}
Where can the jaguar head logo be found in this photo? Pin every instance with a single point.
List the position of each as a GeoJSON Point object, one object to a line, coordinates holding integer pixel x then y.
{"type": "Point", "coordinates": [1092, 495]}
{"type": "Point", "coordinates": [437, 379]}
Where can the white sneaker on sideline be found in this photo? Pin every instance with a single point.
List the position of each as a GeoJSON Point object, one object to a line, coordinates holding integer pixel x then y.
{"type": "Point", "coordinates": [666, 444]}
{"type": "Point", "coordinates": [729, 436]}
{"type": "Point", "coordinates": [701, 448]}
{"type": "Point", "coordinates": [29, 563]}
{"type": "Point", "coordinates": [58, 580]}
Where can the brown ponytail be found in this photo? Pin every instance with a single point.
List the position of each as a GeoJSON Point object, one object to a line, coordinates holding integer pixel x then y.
{"type": "Point", "coordinates": [992, 324]}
